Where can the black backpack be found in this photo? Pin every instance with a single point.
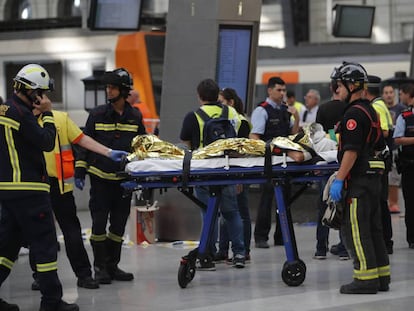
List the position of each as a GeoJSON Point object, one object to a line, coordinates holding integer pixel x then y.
{"type": "Point", "coordinates": [216, 128]}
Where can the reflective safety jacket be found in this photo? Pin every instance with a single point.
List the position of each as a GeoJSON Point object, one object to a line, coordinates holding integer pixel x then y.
{"type": "Point", "coordinates": [60, 162]}
{"type": "Point", "coordinates": [115, 131]}
{"type": "Point", "coordinates": [213, 110]}
{"type": "Point", "coordinates": [22, 142]}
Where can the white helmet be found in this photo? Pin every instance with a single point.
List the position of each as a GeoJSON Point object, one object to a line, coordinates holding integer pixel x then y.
{"type": "Point", "coordinates": [33, 77]}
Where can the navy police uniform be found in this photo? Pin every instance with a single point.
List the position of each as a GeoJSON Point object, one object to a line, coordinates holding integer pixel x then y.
{"type": "Point", "coordinates": [277, 124]}
{"type": "Point", "coordinates": [405, 165]}
{"type": "Point", "coordinates": [26, 213]}
{"type": "Point", "coordinates": [362, 212]}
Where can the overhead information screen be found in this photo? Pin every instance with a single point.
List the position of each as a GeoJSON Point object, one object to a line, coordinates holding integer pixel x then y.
{"type": "Point", "coordinates": [233, 61]}
{"type": "Point", "coordinates": [115, 14]}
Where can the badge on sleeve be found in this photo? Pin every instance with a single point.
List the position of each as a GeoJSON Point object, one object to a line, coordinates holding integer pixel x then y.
{"type": "Point", "coordinates": [351, 125]}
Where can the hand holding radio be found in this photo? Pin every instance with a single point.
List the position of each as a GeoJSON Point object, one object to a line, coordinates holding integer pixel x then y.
{"type": "Point", "coordinates": [41, 102]}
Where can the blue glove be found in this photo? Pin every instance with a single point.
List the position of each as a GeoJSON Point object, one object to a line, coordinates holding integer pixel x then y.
{"type": "Point", "coordinates": [336, 190]}
{"type": "Point", "coordinates": [117, 155]}
{"type": "Point", "coordinates": [129, 185]}
{"type": "Point", "coordinates": [80, 183]}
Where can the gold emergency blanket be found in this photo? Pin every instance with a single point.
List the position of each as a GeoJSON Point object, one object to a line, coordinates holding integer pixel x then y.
{"type": "Point", "coordinates": [234, 147]}
{"type": "Point", "coordinates": [150, 146]}
{"type": "Point", "coordinates": [293, 142]}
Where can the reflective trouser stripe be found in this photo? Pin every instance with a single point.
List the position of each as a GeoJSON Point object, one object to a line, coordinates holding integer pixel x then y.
{"type": "Point", "coordinates": [366, 274]}
{"type": "Point", "coordinates": [98, 238]}
{"type": "Point", "coordinates": [6, 263]}
{"type": "Point", "coordinates": [115, 237]}
{"type": "Point", "coordinates": [384, 271]}
{"type": "Point", "coordinates": [359, 251]}
{"type": "Point", "coordinates": [46, 267]}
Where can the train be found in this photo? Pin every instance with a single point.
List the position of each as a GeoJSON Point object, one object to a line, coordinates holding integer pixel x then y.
{"type": "Point", "coordinates": [72, 56]}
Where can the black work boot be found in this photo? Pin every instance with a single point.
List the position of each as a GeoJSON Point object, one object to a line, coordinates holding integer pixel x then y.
{"type": "Point", "coordinates": [102, 276]}
{"type": "Point", "coordinates": [360, 287]}
{"type": "Point", "coordinates": [4, 306]}
{"type": "Point", "coordinates": [114, 256]}
{"type": "Point", "coordinates": [62, 306]}
{"type": "Point", "coordinates": [120, 275]}
{"type": "Point", "coordinates": [35, 285]}
{"type": "Point", "coordinates": [99, 265]}
{"type": "Point", "coordinates": [384, 283]}
{"type": "Point", "coordinates": [88, 282]}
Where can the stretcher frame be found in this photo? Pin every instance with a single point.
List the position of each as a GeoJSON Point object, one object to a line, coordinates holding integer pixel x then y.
{"type": "Point", "coordinates": [294, 269]}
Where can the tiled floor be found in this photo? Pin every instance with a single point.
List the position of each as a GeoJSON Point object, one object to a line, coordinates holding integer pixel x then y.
{"type": "Point", "coordinates": [257, 287]}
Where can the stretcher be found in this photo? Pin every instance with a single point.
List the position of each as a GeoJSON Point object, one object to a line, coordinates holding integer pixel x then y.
{"type": "Point", "coordinates": [217, 172]}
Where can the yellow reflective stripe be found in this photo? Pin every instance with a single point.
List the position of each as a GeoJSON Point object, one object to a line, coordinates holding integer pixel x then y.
{"type": "Point", "coordinates": [33, 186]}
{"type": "Point", "coordinates": [14, 158]}
{"type": "Point", "coordinates": [384, 271]}
{"type": "Point", "coordinates": [356, 236]}
{"type": "Point", "coordinates": [127, 127]}
{"type": "Point", "coordinates": [46, 267]}
{"type": "Point", "coordinates": [7, 122]}
{"type": "Point", "coordinates": [48, 119]}
{"type": "Point", "coordinates": [81, 163]}
{"type": "Point", "coordinates": [98, 238]}
{"type": "Point", "coordinates": [115, 237]}
{"type": "Point", "coordinates": [6, 263]}
{"type": "Point", "coordinates": [119, 126]}
{"type": "Point", "coordinates": [104, 127]}
{"type": "Point", "coordinates": [366, 274]}
{"type": "Point", "coordinates": [376, 164]}
{"type": "Point", "coordinates": [96, 171]}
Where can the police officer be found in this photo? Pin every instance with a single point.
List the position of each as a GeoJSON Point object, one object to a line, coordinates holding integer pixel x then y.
{"type": "Point", "coordinates": [270, 119]}
{"type": "Point", "coordinates": [404, 137]}
{"type": "Point", "coordinates": [27, 216]}
{"type": "Point", "coordinates": [360, 173]}
{"type": "Point", "coordinates": [114, 124]}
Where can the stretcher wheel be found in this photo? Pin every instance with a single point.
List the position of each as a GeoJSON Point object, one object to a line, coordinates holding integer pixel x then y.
{"type": "Point", "coordinates": [186, 272]}
{"type": "Point", "coordinates": [294, 273]}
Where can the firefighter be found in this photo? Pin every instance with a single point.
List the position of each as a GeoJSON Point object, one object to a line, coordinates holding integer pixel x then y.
{"type": "Point", "coordinates": [360, 174]}
{"type": "Point", "coordinates": [114, 124]}
{"type": "Point", "coordinates": [60, 168]}
{"type": "Point", "coordinates": [26, 215]}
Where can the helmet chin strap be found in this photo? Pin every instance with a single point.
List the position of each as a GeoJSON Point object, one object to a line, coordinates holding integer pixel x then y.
{"type": "Point", "coordinates": [348, 97]}
{"type": "Point", "coordinates": [122, 94]}
{"type": "Point", "coordinates": [115, 99]}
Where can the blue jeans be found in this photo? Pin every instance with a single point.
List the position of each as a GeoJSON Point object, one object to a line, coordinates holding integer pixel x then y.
{"type": "Point", "coordinates": [242, 202]}
{"type": "Point", "coordinates": [230, 212]}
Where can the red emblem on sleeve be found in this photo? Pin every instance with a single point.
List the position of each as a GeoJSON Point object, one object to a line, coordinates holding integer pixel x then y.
{"type": "Point", "coordinates": [351, 124]}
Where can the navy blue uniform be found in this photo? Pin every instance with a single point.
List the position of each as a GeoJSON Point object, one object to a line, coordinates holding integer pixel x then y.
{"type": "Point", "coordinates": [26, 213]}
{"type": "Point", "coordinates": [362, 213]}
{"type": "Point", "coordinates": [107, 197]}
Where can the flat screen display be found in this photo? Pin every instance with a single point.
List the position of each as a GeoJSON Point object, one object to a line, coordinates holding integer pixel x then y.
{"type": "Point", "coordinates": [115, 14]}
{"type": "Point", "coordinates": [233, 62]}
{"type": "Point", "coordinates": [353, 21]}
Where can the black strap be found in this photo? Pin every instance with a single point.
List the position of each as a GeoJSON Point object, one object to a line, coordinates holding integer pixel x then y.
{"type": "Point", "coordinates": [186, 168]}
{"type": "Point", "coordinates": [373, 124]}
{"type": "Point", "coordinates": [205, 117]}
{"type": "Point", "coordinates": [305, 114]}
{"type": "Point", "coordinates": [268, 162]}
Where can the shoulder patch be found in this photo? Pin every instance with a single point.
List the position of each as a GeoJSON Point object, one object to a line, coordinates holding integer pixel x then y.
{"type": "Point", "coordinates": [3, 109]}
{"type": "Point", "coordinates": [351, 124]}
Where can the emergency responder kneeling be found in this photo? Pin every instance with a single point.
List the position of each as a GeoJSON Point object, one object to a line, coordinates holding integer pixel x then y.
{"type": "Point", "coordinates": [360, 175]}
